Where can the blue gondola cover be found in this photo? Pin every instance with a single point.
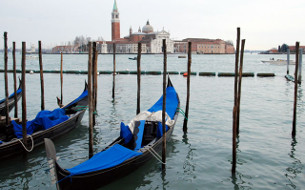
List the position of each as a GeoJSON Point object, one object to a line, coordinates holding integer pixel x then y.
{"type": "Point", "coordinates": [125, 133]}
{"type": "Point", "coordinates": [18, 91]}
{"type": "Point", "coordinates": [113, 156]}
{"type": "Point", "coordinates": [44, 120]}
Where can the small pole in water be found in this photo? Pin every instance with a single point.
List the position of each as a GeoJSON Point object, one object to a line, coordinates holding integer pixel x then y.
{"type": "Point", "coordinates": [236, 73]}
{"type": "Point", "coordinates": [288, 60]}
{"type": "Point", "coordinates": [164, 106]}
{"type": "Point", "coordinates": [300, 66]}
{"type": "Point", "coordinates": [114, 72]}
{"type": "Point", "coordinates": [24, 132]}
{"type": "Point", "coordinates": [94, 79]}
{"type": "Point", "coordinates": [15, 80]}
{"type": "Point", "coordinates": [295, 89]}
{"type": "Point", "coordinates": [6, 80]}
{"type": "Point", "coordinates": [188, 86]}
{"type": "Point", "coordinates": [139, 78]}
{"type": "Point", "coordinates": [41, 75]}
{"type": "Point", "coordinates": [90, 97]}
{"type": "Point", "coordinates": [233, 170]}
{"type": "Point", "coordinates": [61, 78]}
{"type": "Point", "coordinates": [239, 84]}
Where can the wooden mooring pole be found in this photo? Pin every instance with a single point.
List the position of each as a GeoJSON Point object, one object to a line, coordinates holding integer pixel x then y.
{"type": "Point", "coordinates": [90, 97]}
{"type": "Point", "coordinates": [94, 80]}
{"type": "Point", "coordinates": [6, 80]}
{"type": "Point", "coordinates": [61, 78]}
{"type": "Point", "coordinates": [164, 106]}
{"type": "Point", "coordinates": [139, 78]}
{"type": "Point", "coordinates": [189, 61]}
{"type": "Point", "coordinates": [23, 63]}
{"type": "Point", "coordinates": [236, 74]}
{"type": "Point", "coordinates": [41, 76]}
{"type": "Point", "coordinates": [15, 79]}
{"type": "Point", "coordinates": [295, 89]}
{"type": "Point", "coordinates": [114, 72]}
{"type": "Point", "coordinates": [288, 60]}
{"type": "Point", "coordinates": [300, 66]}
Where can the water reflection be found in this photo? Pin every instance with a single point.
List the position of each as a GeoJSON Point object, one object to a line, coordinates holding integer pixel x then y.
{"type": "Point", "coordinates": [295, 168]}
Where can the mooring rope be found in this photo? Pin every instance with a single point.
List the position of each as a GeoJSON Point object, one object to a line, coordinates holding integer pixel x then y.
{"type": "Point", "coordinates": [154, 153]}
{"type": "Point", "coordinates": [24, 145]}
{"type": "Point", "coordinates": [182, 112]}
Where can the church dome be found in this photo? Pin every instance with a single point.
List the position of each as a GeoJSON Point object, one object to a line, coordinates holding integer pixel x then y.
{"type": "Point", "coordinates": [147, 28]}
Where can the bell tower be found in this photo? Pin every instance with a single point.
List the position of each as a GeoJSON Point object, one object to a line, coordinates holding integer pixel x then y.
{"type": "Point", "coordinates": [115, 22]}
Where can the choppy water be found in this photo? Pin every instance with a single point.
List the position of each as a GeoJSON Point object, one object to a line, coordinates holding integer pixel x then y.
{"type": "Point", "coordinates": [201, 159]}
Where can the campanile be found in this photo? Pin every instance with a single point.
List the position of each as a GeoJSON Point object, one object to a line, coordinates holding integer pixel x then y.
{"type": "Point", "coordinates": [115, 22]}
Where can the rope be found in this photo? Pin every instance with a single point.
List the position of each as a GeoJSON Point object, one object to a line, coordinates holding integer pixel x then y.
{"type": "Point", "coordinates": [154, 153]}
{"type": "Point", "coordinates": [24, 145]}
{"type": "Point", "coordinates": [182, 112]}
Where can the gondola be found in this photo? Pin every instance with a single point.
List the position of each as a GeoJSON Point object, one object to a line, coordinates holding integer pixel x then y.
{"type": "Point", "coordinates": [47, 124]}
{"type": "Point", "coordinates": [139, 142]}
{"type": "Point", "coordinates": [11, 101]}
{"type": "Point", "coordinates": [132, 58]}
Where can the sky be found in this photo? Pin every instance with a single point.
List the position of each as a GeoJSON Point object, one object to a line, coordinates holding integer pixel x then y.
{"type": "Point", "coordinates": [264, 24]}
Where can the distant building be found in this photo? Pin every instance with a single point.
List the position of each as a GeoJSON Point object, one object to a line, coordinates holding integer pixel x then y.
{"type": "Point", "coordinates": [205, 46]}
{"type": "Point", "coordinates": [292, 48]}
{"type": "Point", "coordinates": [65, 49]}
{"type": "Point", "coordinates": [151, 40]}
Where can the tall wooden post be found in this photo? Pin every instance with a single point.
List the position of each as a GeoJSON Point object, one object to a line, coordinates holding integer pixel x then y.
{"type": "Point", "coordinates": [41, 76]}
{"type": "Point", "coordinates": [5, 79]}
{"type": "Point", "coordinates": [114, 72]}
{"type": "Point", "coordinates": [139, 78]}
{"type": "Point", "coordinates": [188, 86]}
{"type": "Point", "coordinates": [24, 132]}
{"type": "Point", "coordinates": [288, 60]}
{"type": "Point", "coordinates": [295, 89]}
{"type": "Point", "coordinates": [90, 96]}
{"type": "Point", "coordinates": [164, 106]}
{"type": "Point", "coordinates": [61, 78]}
{"type": "Point", "coordinates": [15, 79]}
{"type": "Point", "coordinates": [236, 73]}
{"type": "Point", "coordinates": [239, 83]}
{"type": "Point", "coordinates": [300, 66]}
{"type": "Point", "coordinates": [94, 79]}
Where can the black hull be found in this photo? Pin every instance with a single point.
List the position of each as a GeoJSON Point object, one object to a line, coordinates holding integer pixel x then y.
{"type": "Point", "coordinates": [75, 112]}
{"type": "Point", "coordinates": [11, 103]}
{"type": "Point", "coordinates": [94, 180]}
{"type": "Point", "coordinates": [15, 147]}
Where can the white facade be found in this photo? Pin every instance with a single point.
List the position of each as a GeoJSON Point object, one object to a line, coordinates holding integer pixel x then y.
{"type": "Point", "coordinates": [157, 43]}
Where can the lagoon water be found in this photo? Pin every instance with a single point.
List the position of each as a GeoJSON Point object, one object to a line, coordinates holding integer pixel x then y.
{"type": "Point", "coordinates": [267, 156]}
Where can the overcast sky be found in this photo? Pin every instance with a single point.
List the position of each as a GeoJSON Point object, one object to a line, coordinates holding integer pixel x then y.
{"type": "Point", "coordinates": [264, 23]}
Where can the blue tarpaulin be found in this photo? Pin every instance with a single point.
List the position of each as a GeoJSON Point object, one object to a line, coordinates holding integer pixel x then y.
{"type": "Point", "coordinates": [13, 94]}
{"type": "Point", "coordinates": [113, 156]}
{"type": "Point", "coordinates": [138, 135]}
{"type": "Point", "coordinates": [44, 120]}
{"type": "Point", "coordinates": [171, 102]}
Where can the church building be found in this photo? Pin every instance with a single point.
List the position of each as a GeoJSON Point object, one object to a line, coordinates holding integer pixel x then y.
{"type": "Point", "coordinates": [151, 40]}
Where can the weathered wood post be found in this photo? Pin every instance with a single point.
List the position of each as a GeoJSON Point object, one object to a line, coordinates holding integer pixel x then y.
{"type": "Point", "coordinates": [288, 60]}
{"type": "Point", "coordinates": [236, 73]}
{"type": "Point", "coordinates": [239, 83]}
{"type": "Point", "coordinates": [24, 131]}
{"type": "Point", "coordinates": [295, 89]}
{"type": "Point", "coordinates": [15, 79]}
{"type": "Point", "coordinates": [90, 97]}
{"type": "Point", "coordinates": [139, 78]}
{"type": "Point", "coordinates": [300, 66]}
{"type": "Point", "coordinates": [5, 79]}
{"type": "Point", "coordinates": [61, 78]}
{"type": "Point", "coordinates": [164, 106]}
{"type": "Point", "coordinates": [188, 86]}
{"type": "Point", "coordinates": [94, 79]}
{"type": "Point", "coordinates": [114, 72]}
{"type": "Point", "coordinates": [41, 76]}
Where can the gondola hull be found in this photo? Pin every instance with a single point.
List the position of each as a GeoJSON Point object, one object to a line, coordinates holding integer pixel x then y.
{"type": "Point", "coordinates": [75, 110]}
{"type": "Point", "coordinates": [96, 179]}
{"type": "Point", "coordinates": [11, 102]}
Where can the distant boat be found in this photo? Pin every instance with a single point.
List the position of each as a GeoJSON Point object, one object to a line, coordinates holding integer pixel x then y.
{"type": "Point", "coordinates": [132, 58]}
{"type": "Point", "coordinates": [181, 56]}
{"type": "Point", "coordinates": [279, 62]}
